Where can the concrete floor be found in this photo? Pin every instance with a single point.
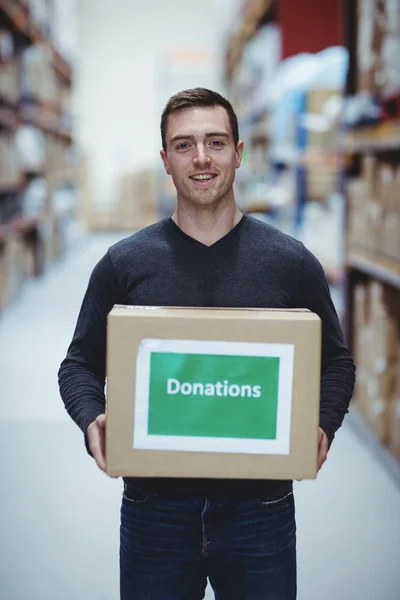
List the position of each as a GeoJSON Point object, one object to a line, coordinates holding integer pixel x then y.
{"type": "Point", "coordinates": [60, 515]}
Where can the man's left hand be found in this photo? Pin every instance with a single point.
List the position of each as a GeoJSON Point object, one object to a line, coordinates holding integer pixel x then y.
{"type": "Point", "coordinates": [322, 448]}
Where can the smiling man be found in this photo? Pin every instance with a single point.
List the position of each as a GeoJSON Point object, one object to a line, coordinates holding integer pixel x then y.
{"type": "Point", "coordinates": [176, 533]}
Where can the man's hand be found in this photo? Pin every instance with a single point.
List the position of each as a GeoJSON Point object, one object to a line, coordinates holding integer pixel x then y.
{"type": "Point", "coordinates": [322, 448]}
{"type": "Point", "coordinates": [96, 433]}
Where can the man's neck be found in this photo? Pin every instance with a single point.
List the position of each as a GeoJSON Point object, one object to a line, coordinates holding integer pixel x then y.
{"type": "Point", "coordinates": [207, 225]}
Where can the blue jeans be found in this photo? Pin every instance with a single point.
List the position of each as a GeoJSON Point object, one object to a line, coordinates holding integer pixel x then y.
{"type": "Point", "coordinates": [171, 546]}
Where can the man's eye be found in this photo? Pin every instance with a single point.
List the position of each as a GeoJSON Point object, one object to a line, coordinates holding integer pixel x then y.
{"type": "Point", "coordinates": [217, 143]}
{"type": "Point", "coordinates": [182, 146]}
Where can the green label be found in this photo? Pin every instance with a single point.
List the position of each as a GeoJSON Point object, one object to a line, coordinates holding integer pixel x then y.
{"type": "Point", "coordinates": [213, 395]}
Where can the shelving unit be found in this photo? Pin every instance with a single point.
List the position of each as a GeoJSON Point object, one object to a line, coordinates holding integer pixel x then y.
{"type": "Point", "coordinates": [29, 234]}
{"type": "Point", "coordinates": [322, 167]}
{"type": "Point", "coordinates": [372, 278]}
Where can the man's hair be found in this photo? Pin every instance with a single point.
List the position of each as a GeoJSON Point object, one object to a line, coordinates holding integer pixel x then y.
{"type": "Point", "coordinates": [198, 97]}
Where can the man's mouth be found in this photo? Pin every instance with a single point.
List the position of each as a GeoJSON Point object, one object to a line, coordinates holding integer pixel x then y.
{"type": "Point", "coordinates": [203, 178]}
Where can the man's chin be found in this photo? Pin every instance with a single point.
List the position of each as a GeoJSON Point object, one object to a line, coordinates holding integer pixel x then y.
{"type": "Point", "coordinates": [204, 198]}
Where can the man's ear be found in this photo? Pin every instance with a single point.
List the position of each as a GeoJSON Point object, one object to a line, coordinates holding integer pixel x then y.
{"type": "Point", "coordinates": [239, 153]}
{"type": "Point", "coordinates": [164, 158]}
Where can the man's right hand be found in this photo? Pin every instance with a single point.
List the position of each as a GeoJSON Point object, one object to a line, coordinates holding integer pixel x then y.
{"type": "Point", "coordinates": [96, 433]}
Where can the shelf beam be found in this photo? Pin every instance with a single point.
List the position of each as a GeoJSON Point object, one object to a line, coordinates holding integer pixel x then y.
{"type": "Point", "coordinates": [385, 270]}
{"type": "Point", "coordinates": [46, 120]}
{"type": "Point", "coordinates": [379, 138]}
{"type": "Point", "coordinates": [10, 187]}
{"type": "Point", "coordinates": [19, 224]}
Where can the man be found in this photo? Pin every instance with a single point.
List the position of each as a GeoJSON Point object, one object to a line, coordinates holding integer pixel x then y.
{"type": "Point", "coordinates": [176, 533]}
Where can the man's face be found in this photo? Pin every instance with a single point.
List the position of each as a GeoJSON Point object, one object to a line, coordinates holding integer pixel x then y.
{"type": "Point", "coordinates": [201, 155]}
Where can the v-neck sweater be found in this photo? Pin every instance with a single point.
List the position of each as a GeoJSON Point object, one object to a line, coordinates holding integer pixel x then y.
{"type": "Point", "coordinates": [254, 266]}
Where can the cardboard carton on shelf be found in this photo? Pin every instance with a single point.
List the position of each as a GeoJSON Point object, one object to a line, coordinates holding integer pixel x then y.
{"type": "Point", "coordinates": [317, 104]}
{"type": "Point", "coordinates": [360, 389]}
{"type": "Point", "coordinates": [12, 269]}
{"type": "Point", "coordinates": [395, 195]}
{"type": "Point", "coordinates": [321, 181]}
{"type": "Point", "coordinates": [391, 235]}
{"type": "Point", "coordinates": [137, 200]}
{"type": "Point", "coordinates": [374, 228]}
{"type": "Point", "coordinates": [386, 381]}
{"type": "Point", "coordinates": [45, 237]}
{"type": "Point", "coordinates": [215, 393]}
{"type": "Point", "coordinates": [369, 355]}
{"type": "Point", "coordinates": [379, 301]}
{"type": "Point", "coordinates": [9, 81]}
{"type": "Point", "coordinates": [385, 342]}
{"type": "Point", "coordinates": [360, 306]}
{"type": "Point", "coordinates": [394, 417]}
{"type": "Point", "coordinates": [384, 189]}
{"type": "Point", "coordinates": [102, 219]}
{"type": "Point", "coordinates": [358, 215]}
{"type": "Point", "coordinates": [369, 175]}
{"type": "Point", "coordinates": [394, 428]}
{"type": "Point", "coordinates": [373, 408]}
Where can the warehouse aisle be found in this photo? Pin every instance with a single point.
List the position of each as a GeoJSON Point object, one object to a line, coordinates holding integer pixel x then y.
{"type": "Point", "coordinates": [60, 515]}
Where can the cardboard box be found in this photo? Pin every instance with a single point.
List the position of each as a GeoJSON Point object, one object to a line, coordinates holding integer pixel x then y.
{"type": "Point", "coordinates": [321, 181]}
{"type": "Point", "coordinates": [137, 200]}
{"type": "Point", "coordinates": [391, 236]}
{"type": "Point", "coordinates": [360, 307]}
{"type": "Point", "coordinates": [215, 393]}
{"type": "Point", "coordinates": [394, 428]}
{"type": "Point", "coordinates": [358, 213]}
{"type": "Point", "coordinates": [369, 174]}
{"type": "Point", "coordinates": [317, 104]}
{"type": "Point", "coordinates": [376, 415]}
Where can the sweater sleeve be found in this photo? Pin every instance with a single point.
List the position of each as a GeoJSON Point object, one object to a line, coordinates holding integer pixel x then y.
{"type": "Point", "coordinates": [82, 373]}
{"type": "Point", "coordinates": [337, 366]}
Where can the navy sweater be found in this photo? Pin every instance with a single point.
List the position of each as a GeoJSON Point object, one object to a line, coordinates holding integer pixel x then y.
{"type": "Point", "coordinates": [253, 266]}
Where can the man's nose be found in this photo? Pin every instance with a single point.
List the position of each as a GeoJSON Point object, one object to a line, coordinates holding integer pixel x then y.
{"type": "Point", "coordinates": [201, 157]}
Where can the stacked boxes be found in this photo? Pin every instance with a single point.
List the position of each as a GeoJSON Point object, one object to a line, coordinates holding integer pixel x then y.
{"type": "Point", "coordinates": [377, 355]}
{"type": "Point", "coordinates": [374, 210]}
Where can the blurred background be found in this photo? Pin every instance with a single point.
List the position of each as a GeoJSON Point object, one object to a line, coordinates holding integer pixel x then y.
{"type": "Point", "coordinates": [316, 87]}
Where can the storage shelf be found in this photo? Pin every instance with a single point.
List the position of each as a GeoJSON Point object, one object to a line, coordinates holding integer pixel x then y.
{"type": "Point", "coordinates": [385, 136]}
{"type": "Point", "coordinates": [386, 270]}
{"type": "Point", "coordinates": [19, 17]}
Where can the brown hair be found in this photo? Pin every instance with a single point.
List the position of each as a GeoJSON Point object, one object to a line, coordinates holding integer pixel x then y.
{"type": "Point", "coordinates": [198, 97]}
